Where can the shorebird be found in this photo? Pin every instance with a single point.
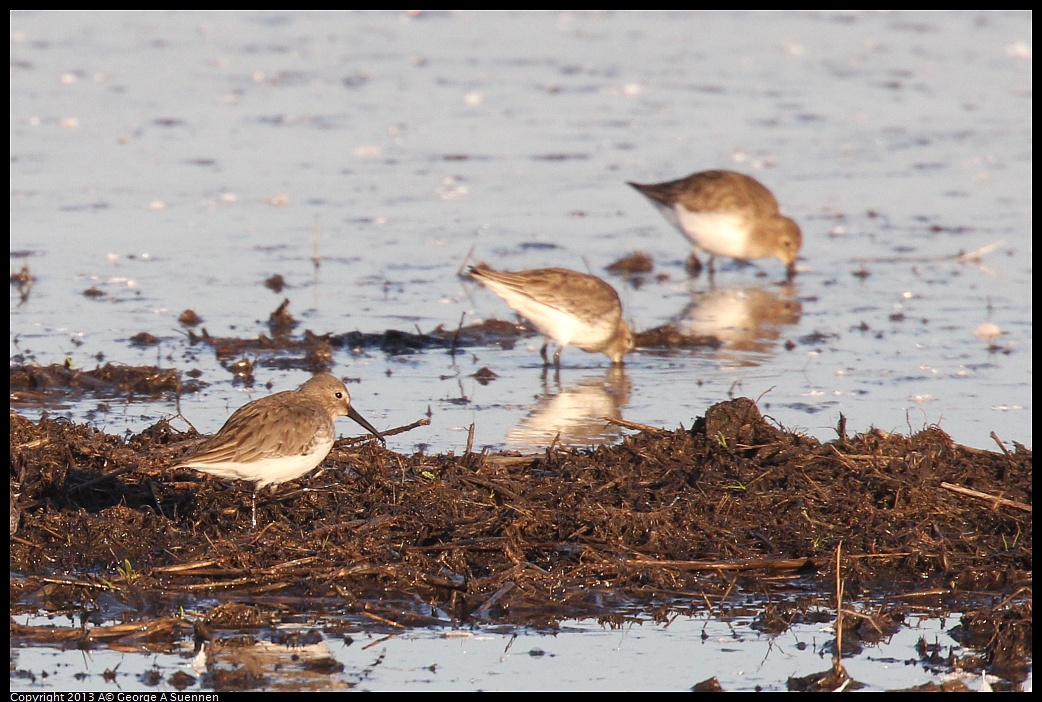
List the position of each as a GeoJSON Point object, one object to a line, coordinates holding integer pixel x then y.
{"type": "Point", "coordinates": [725, 213]}
{"type": "Point", "coordinates": [279, 437]}
{"type": "Point", "coordinates": [569, 307]}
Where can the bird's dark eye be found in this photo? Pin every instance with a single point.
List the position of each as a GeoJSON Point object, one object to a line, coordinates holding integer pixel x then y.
{"type": "Point", "coordinates": [340, 396]}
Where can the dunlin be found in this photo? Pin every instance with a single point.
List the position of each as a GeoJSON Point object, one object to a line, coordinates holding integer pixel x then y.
{"type": "Point", "coordinates": [725, 213]}
{"type": "Point", "coordinates": [279, 437]}
{"type": "Point", "coordinates": [569, 307]}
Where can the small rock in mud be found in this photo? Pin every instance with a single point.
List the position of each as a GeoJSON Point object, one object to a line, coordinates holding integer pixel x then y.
{"type": "Point", "coordinates": [242, 370]}
{"type": "Point", "coordinates": [189, 318]}
{"type": "Point", "coordinates": [281, 322]}
{"type": "Point", "coordinates": [636, 263]}
{"type": "Point", "coordinates": [484, 375]}
{"type": "Point", "coordinates": [144, 339]}
{"type": "Point", "coordinates": [275, 283]}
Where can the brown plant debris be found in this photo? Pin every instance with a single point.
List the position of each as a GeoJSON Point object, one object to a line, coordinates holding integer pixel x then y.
{"type": "Point", "coordinates": [33, 384]}
{"type": "Point", "coordinates": [663, 516]}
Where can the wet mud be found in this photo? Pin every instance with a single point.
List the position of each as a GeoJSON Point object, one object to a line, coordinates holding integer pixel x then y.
{"type": "Point", "coordinates": [669, 520]}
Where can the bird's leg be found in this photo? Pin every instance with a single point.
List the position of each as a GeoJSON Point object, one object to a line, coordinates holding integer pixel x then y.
{"type": "Point", "coordinates": [557, 359]}
{"type": "Point", "coordinates": [542, 352]}
{"type": "Point", "coordinates": [253, 507]}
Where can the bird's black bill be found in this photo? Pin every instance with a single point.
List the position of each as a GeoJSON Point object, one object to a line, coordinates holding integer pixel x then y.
{"type": "Point", "coordinates": [365, 423]}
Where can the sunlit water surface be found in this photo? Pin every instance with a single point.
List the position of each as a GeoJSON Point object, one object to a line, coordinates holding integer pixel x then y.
{"type": "Point", "coordinates": [174, 160]}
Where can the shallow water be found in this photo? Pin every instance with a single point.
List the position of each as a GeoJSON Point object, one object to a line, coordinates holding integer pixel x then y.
{"type": "Point", "coordinates": [580, 655]}
{"type": "Point", "coordinates": [176, 160]}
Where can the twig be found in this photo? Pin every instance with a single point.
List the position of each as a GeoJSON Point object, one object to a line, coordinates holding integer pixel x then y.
{"type": "Point", "coordinates": [841, 427]}
{"type": "Point", "coordinates": [995, 438]}
{"type": "Point", "coordinates": [316, 259]}
{"type": "Point", "coordinates": [936, 592]}
{"type": "Point", "coordinates": [52, 634]}
{"type": "Point", "coordinates": [855, 456]}
{"type": "Point", "coordinates": [751, 564]}
{"type": "Point", "coordinates": [352, 440]}
{"type": "Point", "coordinates": [215, 585]}
{"type": "Point", "coordinates": [981, 252]}
{"type": "Point", "coordinates": [385, 620]}
{"type": "Point", "coordinates": [490, 485]}
{"type": "Point", "coordinates": [890, 554]}
{"type": "Point", "coordinates": [554, 443]}
{"type": "Point", "coordinates": [455, 337]}
{"type": "Point", "coordinates": [837, 660]}
{"type": "Point", "coordinates": [719, 606]}
{"type": "Point", "coordinates": [77, 583]}
{"type": "Point", "coordinates": [102, 478]}
{"type": "Point", "coordinates": [635, 425]}
{"type": "Point", "coordinates": [859, 615]}
{"type": "Point", "coordinates": [839, 607]}
{"type": "Point", "coordinates": [985, 496]}
{"type": "Point", "coordinates": [1017, 593]}
{"type": "Point", "coordinates": [465, 262]}
{"type": "Point", "coordinates": [487, 605]}
{"type": "Point", "coordinates": [181, 567]}
{"type": "Point", "coordinates": [507, 461]}
{"type": "Point", "coordinates": [763, 394]}
{"type": "Point", "coordinates": [974, 256]}
{"type": "Point", "coordinates": [470, 440]}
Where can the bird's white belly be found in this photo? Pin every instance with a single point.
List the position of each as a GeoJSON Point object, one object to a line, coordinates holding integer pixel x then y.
{"type": "Point", "coordinates": [564, 328]}
{"type": "Point", "coordinates": [717, 234]}
{"type": "Point", "coordinates": [269, 470]}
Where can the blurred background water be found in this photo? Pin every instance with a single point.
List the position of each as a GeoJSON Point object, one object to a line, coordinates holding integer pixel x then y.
{"type": "Point", "coordinates": [176, 160]}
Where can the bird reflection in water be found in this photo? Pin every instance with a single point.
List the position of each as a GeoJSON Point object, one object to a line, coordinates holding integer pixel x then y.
{"type": "Point", "coordinates": [748, 320]}
{"type": "Point", "coordinates": [575, 415]}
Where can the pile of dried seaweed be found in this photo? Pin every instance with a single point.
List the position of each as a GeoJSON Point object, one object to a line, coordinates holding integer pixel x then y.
{"type": "Point", "coordinates": [663, 517]}
{"type": "Point", "coordinates": [648, 515]}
